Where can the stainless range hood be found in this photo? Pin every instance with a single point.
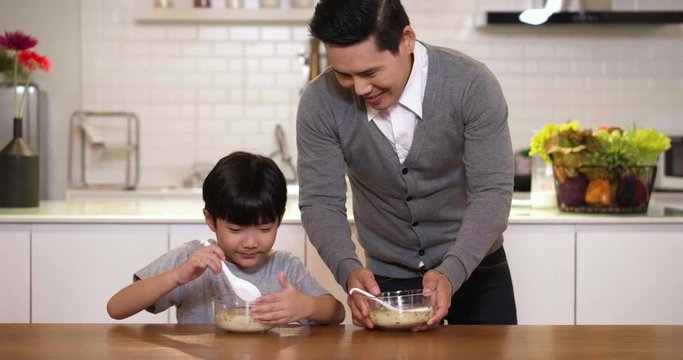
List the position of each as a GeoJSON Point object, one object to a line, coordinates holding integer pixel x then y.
{"type": "Point", "coordinates": [596, 12]}
{"type": "Point", "coordinates": [590, 17]}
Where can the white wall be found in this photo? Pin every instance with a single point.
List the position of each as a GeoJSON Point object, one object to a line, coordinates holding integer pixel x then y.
{"type": "Point", "coordinates": [202, 91]}
{"type": "Point", "coordinates": [56, 25]}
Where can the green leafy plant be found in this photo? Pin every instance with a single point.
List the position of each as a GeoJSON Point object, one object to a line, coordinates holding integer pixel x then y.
{"type": "Point", "coordinates": [7, 66]}
{"type": "Point", "coordinates": [569, 146]}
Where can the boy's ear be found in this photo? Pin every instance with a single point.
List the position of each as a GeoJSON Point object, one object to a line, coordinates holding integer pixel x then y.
{"type": "Point", "coordinates": [208, 219]}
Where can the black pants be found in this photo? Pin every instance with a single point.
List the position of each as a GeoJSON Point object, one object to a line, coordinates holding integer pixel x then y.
{"type": "Point", "coordinates": [486, 297]}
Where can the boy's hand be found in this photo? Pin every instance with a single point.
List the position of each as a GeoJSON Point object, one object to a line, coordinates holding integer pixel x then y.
{"type": "Point", "coordinates": [195, 265]}
{"type": "Point", "coordinates": [283, 307]}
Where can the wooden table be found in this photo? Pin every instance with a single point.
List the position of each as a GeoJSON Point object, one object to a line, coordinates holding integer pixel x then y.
{"type": "Point", "coordinates": [113, 341]}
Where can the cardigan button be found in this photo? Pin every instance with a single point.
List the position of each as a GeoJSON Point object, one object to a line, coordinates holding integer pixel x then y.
{"type": "Point", "coordinates": [421, 252]}
{"type": "Point", "coordinates": [404, 171]}
{"type": "Point", "coordinates": [409, 198]}
{"type": "Point", "coordinates": [415, 224]}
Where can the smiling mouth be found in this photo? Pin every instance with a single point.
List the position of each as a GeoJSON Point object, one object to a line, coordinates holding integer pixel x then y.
{"type": "Point", "coordinates": [374, 99]}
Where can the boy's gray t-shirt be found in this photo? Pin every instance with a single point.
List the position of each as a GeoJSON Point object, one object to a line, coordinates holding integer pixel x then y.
{"type": "Point", "coordinates": [193, 300]}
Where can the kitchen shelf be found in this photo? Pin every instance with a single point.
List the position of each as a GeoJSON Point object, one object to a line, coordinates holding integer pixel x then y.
{"type": "Point", "coordinates": [590, 17]}
{"type": "Point", "coordinates": [209, 15]}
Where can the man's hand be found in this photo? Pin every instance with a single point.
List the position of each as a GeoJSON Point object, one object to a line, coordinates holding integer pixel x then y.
{"type": "Point", "coordinates": [364, 279]}
{"type": "Point", "coordinates": [437, 289]}
{"type": "Point", "coordinates": [283, 307]}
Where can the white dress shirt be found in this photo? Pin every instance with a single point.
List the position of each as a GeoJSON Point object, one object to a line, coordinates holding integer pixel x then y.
{"type": "Point", "coordinates": [398, 122]}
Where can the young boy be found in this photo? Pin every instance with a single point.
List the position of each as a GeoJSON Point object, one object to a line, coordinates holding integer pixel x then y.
{"type": "Point", "coordinates": [244, 197]}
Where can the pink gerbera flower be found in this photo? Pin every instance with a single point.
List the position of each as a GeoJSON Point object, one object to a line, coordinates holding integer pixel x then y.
{"type": "Point", "coordinates": [17, 41]}
{"type": "Point", "coordinates": [31, 60]}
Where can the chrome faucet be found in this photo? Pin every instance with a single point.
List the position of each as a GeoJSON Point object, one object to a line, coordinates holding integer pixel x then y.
{"type": "Point", "coordinates": [283, 151]}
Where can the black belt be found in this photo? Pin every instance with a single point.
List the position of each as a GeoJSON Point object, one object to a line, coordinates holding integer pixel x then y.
{"type": "Point", "coordinates": [493, 259]}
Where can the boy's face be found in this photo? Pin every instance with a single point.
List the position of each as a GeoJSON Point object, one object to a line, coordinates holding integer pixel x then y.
{"type": "Point", "coordinates": [379, 77]}
{"type": "Point", "coordinates": [245, 246]}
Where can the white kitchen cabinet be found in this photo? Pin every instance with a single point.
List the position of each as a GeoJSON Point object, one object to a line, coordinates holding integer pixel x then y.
{"type": "Point", "coordinates": [323, 275]}
{"type": "Point", "coordinates": [76, 268]}
{"type": "Point", "coordinates": [541, 260]}
{"type": "Point", "coordinates": [629, 274]}
{"type": "Point", "coordinates": [15, 273]}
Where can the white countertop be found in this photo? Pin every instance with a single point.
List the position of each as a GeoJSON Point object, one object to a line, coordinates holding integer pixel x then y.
{"type": "Point", "coordinates": [190, 211]}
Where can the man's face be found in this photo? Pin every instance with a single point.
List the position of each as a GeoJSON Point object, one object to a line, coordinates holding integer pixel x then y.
{"type": "Point", "coordinates": [377, 76]}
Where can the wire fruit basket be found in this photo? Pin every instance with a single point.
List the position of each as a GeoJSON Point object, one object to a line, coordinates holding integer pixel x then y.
{"type": "Point", "coordinates": [599, 189]}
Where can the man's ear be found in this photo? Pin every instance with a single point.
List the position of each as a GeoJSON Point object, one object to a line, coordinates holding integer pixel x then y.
{"type": "Point", "coordinates": [209, 220]}
{"type": "Point", "coordinates": [408, 39]}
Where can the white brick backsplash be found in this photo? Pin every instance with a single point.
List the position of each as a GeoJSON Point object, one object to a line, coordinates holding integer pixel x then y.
{"type": "Point", "coordinates": [141, 33]}
{"type": "Point", "coordinates": [228, 49]}
{"type": "Point", "coordinates": [301, 33]}
{"type": "Point", "coordinates": [274, 96]}
{"type": "Point", "coordinates": [213, 33]}
{"type": "Point", "coordinates": [181, 33]}
{"type": "Point", "coordinates": [244, 33]}
{"type": "Point", "coordinates": [203, 90]}
{"type": "Point", "coordinates": [246, 127]}
{"type": "Point", "coordinates": [228, 79]}
{"type": "Point", "coordinates": [212, 96]}
{"type": "Point", "coordinates": [196, 79]}
{"type": "Point", "coordinates": [259, 80]}
{"type": "Point", "coordinates": [134, 49]}
{"type": "Point", "coordinates": [259, 112]}
{"type": "Point", "coordinates": [290, 49]}
{"type": "Point", "coordinates": [206, 126]}
{"type": "Point", "coordinates": [229, 111]}
{"type": "Point", "coordinates": [111, 33]}
{"type": "Point", "coordinates": [276, 33]}
{"type": "Point", "coordinates": [260, 49]}
{"type": "Point", "coordinates": [273, 65]}
{"type": "Point", "coordinates": [196, 50]}
{"type": "Point", "coordinates": [164, 49]}
{"type": "Point", "coordinates": [290, 80]}
{"type": "Point", "coordinates": [212, 65]}
{"type": "Point", "coordinates": [237, 65]}
{"type": "Point", "coordinates": [236, 96]}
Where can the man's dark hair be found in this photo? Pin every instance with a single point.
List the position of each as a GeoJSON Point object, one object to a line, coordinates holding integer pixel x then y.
{"type": "Point", "coordinates": [349, 22]}
{"type": "Point", "coordinates": [245, 189]}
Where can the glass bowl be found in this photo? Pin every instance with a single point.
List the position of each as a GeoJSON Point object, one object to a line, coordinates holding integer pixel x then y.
{"type": "Point", "coordinates": [599, 189]}
{"type": "Point", "coordinates": [412, 309]}
{"type": "Point", "coordinates": [234, 314]}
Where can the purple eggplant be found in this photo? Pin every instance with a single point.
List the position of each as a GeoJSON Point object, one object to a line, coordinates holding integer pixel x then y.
{"type": "Point", "coordinates": [626, 189]}
{"type": "Point", "coordinates": [573, 190]}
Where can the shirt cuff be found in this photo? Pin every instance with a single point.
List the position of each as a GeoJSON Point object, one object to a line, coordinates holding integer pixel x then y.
{"type": "Point", "coordinates": [344, 269]}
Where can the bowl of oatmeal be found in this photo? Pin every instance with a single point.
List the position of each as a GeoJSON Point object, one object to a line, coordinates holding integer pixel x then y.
{"type": "Point", "coordinates": [234, 314]}
{"type": "Point", "coordinates": [409, 308]}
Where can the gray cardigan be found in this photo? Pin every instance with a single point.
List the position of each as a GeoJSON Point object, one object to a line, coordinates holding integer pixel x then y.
{"type": "Point", "coordinates": [446, 205]}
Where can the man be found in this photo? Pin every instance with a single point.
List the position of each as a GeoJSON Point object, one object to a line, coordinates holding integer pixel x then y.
{"type": "Point", "coordinates": [421, 132]}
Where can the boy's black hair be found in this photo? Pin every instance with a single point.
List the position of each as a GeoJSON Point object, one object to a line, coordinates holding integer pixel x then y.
{"type": "Point", "coordinates": [245, 189]}
{"type": "Point", "coordinates": [349, 22]}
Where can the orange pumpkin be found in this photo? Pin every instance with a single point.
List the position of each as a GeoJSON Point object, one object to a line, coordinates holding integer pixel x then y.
{"type": "Point", "coordinates": [599, 192]}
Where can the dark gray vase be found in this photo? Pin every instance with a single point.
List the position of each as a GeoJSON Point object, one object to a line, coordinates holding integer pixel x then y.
{"type": "Point", "coordinates": [19, 172]}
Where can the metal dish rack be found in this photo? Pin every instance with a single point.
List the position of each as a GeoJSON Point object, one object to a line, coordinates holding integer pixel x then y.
{"type": "Point", "coordinates": [84, 137]}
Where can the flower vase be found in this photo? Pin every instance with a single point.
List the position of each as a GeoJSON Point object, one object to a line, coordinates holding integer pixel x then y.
{"type": "Point", "coordinates": [19, 172]}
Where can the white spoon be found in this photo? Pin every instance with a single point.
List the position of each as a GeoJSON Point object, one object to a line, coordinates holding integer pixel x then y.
{"type": "Point", "coordinates": [384, 304]}
{"type": "Point", "coordinates": [243, 288]}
